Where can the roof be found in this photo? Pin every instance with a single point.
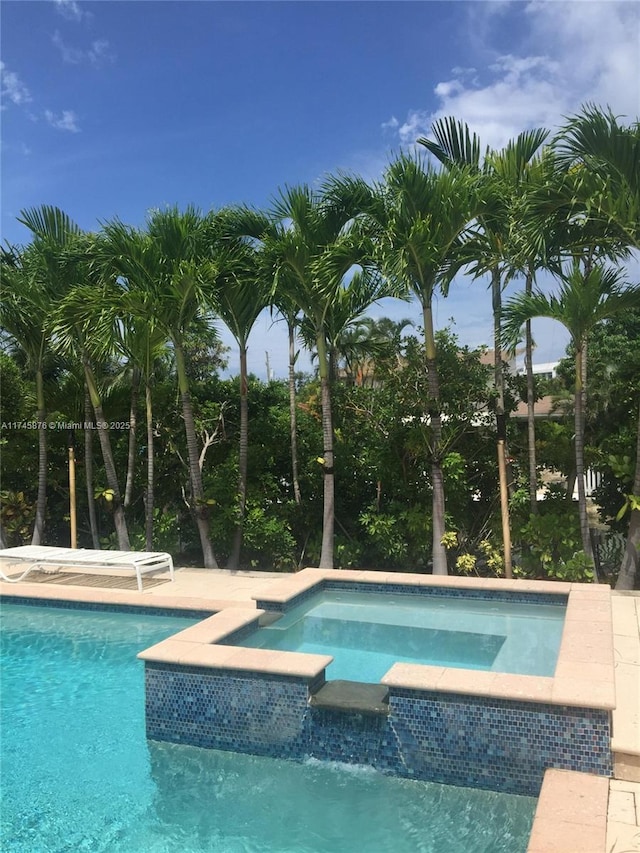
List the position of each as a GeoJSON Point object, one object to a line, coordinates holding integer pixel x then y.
{"type": "Point", "coordinates": [545, 407]}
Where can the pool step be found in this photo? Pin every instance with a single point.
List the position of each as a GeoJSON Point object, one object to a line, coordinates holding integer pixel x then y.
{"type": "Point", "coordinates": [352, 696]}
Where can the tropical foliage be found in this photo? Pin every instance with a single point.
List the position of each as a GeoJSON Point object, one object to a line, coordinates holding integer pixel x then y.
{"type": "Point", "coordinates": [386, 458]}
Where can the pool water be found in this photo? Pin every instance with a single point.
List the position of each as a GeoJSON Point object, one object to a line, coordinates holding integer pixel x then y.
{"type": "Point", "coordinates": [367, 632]}
{"type": "Point", "coordinates": [79, 775]}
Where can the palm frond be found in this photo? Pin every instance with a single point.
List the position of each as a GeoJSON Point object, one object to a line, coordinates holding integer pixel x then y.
{"type": "Point", "coordinates": [49, 223]}
{"type": "Point", "coordinates": [454, 143]}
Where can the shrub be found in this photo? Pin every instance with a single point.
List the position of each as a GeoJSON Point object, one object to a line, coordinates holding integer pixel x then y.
{"type": "Point", "coordinates": [17, 515]}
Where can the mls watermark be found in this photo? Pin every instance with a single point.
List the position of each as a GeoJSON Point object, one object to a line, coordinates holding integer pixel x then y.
{"type": "Point", "coordinates": [59, 426]}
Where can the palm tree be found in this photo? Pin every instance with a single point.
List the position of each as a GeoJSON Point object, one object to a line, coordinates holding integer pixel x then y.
{"type": "Point", "coordinates": [535, 242]}
{"type": "Point", "coordinates": [604, 157]}
{"type": "Point", "coordinates": [418, 218]}
{"type": "Point", "coordinates": [253, 225]}
{"type": "Point", "coordinates": [169, 263]}
{"type": "Point", "coordinates": [584, 300]}
{"type": "Point", "coordinates": [84, 328]}
{"type": "Point", "coordinates": [241, 293]}
{"type": "Point", "coordinates": [313, 254]}
{"type": "Point", "coordinates": [352, 351]}
{"type": "Point", "coordinates": [24, 313]}
{"type": "Point", "coordinates": [290, 313]}
{"type": "Point", "coordinates": [347, 330]}
{"type": "Point", "coordinates": [88, 469]}
{"type": "Point", "coordinates": [39, 277]}
{"type": "Point", "coordinates": [501, 174]}
{"type": "Point", "coordinates": [141, 343]}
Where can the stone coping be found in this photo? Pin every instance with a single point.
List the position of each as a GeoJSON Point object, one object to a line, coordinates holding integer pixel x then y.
{"type": "Point", "coordinates": [200, 646]}
{"type": "Point", "coordinates": [292, 585]}
{"type": "Point", "coordinates": [99, 595]}
{"type": "Point", "coordinates": [571, 814]}
{"type": "Point", "coordinates": [584, 675]}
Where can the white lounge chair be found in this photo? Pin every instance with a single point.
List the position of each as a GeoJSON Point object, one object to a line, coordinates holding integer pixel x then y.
{"type": "Point", "coordinates": [42, 557]}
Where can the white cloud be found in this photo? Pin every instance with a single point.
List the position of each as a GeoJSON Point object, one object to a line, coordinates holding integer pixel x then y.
{"type": "Point", "coordinates": [69, 54]}
{"type": "Point", "coordinates": [67, 120]}
{"type": "Point", "coordinates": [569, 53]}
{"type": "Point", "coordinates": [12, 87]}
{"type": "Point", "coordinates": [70, 10]}
{"type": "Point", "coordinates": [98, 53]}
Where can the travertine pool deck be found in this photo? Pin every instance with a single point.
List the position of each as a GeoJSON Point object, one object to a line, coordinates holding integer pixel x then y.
{"type": "Point", "coordinates": [576, 812]}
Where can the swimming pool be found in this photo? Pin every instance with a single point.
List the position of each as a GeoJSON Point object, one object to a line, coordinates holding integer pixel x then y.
{"type": "Point", "coordinates": [367, 632]}
{"type": "Point", "coordinates": [78, 773]}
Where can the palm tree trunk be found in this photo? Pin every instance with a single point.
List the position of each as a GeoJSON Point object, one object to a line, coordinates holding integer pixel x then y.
{"type": "Point", "coordinates": [531, 423]}
{"type": "Point", "coordinates": [439, 554]}
{"type": "Point", "coordinates": [199, 507]}
{"type": "Point", "coordinates": [41, 504]}
{"type": "Point", "coordinates": [109, 464]}
{"type": "Point", "coordinates": [501, 419]}
{"type": "Point", "coordinates": [293, 417]}
{"type": "Point", "coordinates": [234, 562]}
{"type": "Point", "coordinates": [581, 354]}
{"type": "Point", "coordinates": [628, 575]}
{"type": "Point", "coordinates": [88, 469]}
{"type": "Point", "coordinates": [329, 509]}
{"type": "Point", "coordinates": [131, 455]}
{"type": "Point", "coordinates": [149, 501]}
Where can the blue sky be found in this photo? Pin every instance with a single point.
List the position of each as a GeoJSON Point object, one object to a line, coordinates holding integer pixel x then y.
{"type": "Point", "coordinates": [110, 107]}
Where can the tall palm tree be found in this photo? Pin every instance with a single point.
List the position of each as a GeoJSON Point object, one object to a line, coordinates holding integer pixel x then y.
{"type": "Point", "coordinates": [141, 343]}
{"type": "Point", "coordinates": [84, 328]}
{"type": "Point", "coordinates": [419, 217]}
{"type": "Point", "coordinates": [169, 262]}
{"type": "Point", "coordinates": [501, 174]}
{"type": "Point", "coordinates": [313, 254]}
{"type": "Point", "coordinates": [583, 301]}
{"type": "Point", "coordinates": [290, 312]}
{"type": "Point", "coordinates": [241, 293]}
{"type": "Point", "coordinates": [255, 226]}
{"type": "Point", "coordinates": [24, 313]}
{"type": "Point", "coordinates": [535, 243]}
{"type": "Point", "coordinates": [88, 468]}
{"type": "Point", "coordinates": [604, 157]}
{"type": "Point", "coordinates": [34, 281]}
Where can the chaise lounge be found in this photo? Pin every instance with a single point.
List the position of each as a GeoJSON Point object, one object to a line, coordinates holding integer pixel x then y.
{"type": "Point", "coordinates": [45, 558]}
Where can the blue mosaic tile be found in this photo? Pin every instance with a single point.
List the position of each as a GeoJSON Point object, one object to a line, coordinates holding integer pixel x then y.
{"type": "Point", "coordinates": [448, 592]}
{"type": "Point", "coordinates": [559, 600]}
{"type": "Point", "coordinates": [505, 745]}
{"type": "Point", "coordinates": [106, 608]}
{"type": "Point", "coordinates": [223, 709]}
{"type": "Point", "coordinates": [455, 739]}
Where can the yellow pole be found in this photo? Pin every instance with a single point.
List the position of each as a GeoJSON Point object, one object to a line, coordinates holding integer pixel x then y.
{"type": "Point", "coordinates": [504, 508]}
{"type": "Point", "coordinates": [72, 493]}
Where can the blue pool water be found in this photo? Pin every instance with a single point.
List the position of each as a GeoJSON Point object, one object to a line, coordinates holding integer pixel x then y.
{"type": "Point", "coordinates": [367, 632]}
{"type": "Point", "coordinates": [79, 775]}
